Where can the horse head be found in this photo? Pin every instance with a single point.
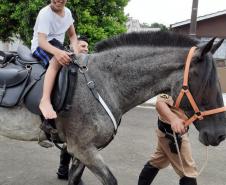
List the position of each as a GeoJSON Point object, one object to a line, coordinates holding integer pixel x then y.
{"type": "Point", "coordinates": [204, 86]}
{"type": "Point", "coordinates": [162, 55]}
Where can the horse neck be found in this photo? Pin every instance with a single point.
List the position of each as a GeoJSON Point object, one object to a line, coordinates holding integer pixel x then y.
{"type": "Point", "coordinates": [131, 76]}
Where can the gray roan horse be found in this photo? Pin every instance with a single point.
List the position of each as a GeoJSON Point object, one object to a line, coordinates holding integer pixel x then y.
{"type": "Point", "coordinates": [128, 70]}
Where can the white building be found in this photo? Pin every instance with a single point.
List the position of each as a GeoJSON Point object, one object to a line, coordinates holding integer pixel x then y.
{"type": "Point", "coordinates": [10, 46]}
{"type": "Point", "coordinates": [133, 25]}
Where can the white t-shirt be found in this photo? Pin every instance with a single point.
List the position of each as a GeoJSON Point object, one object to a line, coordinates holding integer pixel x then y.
{"type": "Point", "coordinates": [51, 24]}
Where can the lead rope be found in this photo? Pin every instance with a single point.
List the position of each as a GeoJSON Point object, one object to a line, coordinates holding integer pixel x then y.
{"type": "Point", "coordinates": [178, 152]}
{"type": "Point", "coordinates": [180, 159]}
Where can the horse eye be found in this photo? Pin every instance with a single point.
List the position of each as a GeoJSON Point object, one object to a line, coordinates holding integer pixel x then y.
{"type": "Point", "coordinates": [197, 59]}
{"type": "Point", "coordinates": [205, 103]}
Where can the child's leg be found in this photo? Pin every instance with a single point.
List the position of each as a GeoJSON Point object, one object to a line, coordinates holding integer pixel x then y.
{"type": "Point", "coordinates": [45, 104]}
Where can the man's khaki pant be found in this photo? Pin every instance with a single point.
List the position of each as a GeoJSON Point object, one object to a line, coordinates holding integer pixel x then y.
{"type": "Point", "coordinates": [163, 156]}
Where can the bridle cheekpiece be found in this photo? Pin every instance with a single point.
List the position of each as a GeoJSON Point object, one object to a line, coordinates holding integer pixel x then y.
{"type": "Point", "coordinates": [185, 91]}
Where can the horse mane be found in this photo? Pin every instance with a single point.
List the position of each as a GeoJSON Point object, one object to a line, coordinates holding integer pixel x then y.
{"type": "Point", "coordinates": [159, 38]}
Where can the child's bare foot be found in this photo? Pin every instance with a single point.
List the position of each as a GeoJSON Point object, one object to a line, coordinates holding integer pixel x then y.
{"type": "Point", "coordinates": [47, 109]}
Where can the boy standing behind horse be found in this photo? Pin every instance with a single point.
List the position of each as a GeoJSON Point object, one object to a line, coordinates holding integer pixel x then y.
{"type": "Point", "coordinates": [52, 23]}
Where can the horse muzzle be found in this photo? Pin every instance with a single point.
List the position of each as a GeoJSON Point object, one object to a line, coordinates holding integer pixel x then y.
{"type": "Point", "coordinates": [212, 137]}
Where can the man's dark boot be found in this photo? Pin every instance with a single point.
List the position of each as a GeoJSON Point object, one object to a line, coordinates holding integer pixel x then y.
{"type": "Point", "coordinates": [188, 181]}
{"type": "Point", "coordinates": [147, 174]}
{"type": "Point", "coordinates": [63, 169]}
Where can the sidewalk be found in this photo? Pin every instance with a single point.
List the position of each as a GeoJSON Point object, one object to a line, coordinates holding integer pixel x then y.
{"type": "Point", "coordinates": [152, 101]}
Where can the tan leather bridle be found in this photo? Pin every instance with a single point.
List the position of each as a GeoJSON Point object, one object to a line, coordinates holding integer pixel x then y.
{"type": "Point", "coordinates": [185, 91]}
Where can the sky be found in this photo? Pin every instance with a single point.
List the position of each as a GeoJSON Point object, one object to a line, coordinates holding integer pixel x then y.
{"type": "Point", "coordinates": [170, 11]}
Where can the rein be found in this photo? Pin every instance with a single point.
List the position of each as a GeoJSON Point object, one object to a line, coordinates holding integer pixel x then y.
{"type": "Point", "coordinates": [185, 91]}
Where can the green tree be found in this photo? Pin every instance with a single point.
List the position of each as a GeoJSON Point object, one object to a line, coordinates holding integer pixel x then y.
{"type": "Point", "coordinates": [98, 19]}
{"type": "Point", "coordinates": [158, 25]}
{"type": "Point", "coordinates": [8, 24]}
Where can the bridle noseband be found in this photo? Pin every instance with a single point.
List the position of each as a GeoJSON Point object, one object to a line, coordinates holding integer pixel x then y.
{"type": "Point", "coordinates": [185, 91]}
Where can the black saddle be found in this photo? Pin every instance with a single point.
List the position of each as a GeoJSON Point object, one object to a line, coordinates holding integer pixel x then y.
{"type": "Point", "coordinates": [5, 57]}
{"type": "Point", "coordinates": [13, 80]}
{"type": "Point", "coordinates": [21, 80]}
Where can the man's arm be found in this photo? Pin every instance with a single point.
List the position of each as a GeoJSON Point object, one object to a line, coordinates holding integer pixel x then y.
{"type": "Point", "coordinates": [171, 118]}
{"type": "Point", "coordinates": [73, 38]}
{"type": "Point", "coordinates": [60, 55]}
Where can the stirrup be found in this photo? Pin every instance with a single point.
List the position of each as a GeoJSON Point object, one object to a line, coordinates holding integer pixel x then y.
{"type": "Point", "coordinates": [47, 127]}
{"type": "Point", "coordinates": [45, 144]}
{"type": "Point", "coordinates": [54, 137]}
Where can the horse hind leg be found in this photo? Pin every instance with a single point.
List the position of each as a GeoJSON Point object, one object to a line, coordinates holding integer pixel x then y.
{"type": "Point", "coordinates": [93, 160]}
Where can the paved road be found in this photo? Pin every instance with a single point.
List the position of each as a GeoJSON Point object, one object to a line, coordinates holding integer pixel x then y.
{"type": "Point", "coordinates": [26, 163]}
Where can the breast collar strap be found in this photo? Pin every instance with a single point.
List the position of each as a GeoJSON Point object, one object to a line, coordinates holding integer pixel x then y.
{"type": "Point", "coordinates": [92, 86]}
{"type": "Point", "coordinates": [185, 91]}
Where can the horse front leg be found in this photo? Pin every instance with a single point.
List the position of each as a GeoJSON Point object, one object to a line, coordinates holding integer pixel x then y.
{"type": "Point", "coordinates": [76, 172]}
{"type": "Point", "coordinates": [93, 160]}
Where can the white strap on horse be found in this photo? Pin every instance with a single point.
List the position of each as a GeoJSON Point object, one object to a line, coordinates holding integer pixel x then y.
{"type": "Point", "coordinates": [180, 159]}
{"type": "Point", "coordinates": [108, 111]}
{"type": "Point", "coordinates": [91, 84]}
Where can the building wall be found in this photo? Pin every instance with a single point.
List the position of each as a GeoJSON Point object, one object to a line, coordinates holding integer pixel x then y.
{"type": "Point", "coordinates": [213, 27]}
{"type": "Point", "coordinates": [207, 29]}
{"type": "Point", "coordinates": [222, 78]}
{"type": "Point", "coordinates": [3, 46]}
{"type": "Point", "coordinates": [133, 25]}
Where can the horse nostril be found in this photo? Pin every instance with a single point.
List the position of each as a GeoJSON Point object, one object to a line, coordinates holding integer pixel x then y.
{"type": "Point", "coordinates": [204, 138]}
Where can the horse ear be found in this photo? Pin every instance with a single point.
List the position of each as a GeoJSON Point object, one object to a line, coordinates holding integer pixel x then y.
{"type": "Point", "coordinates": [216, 46]}
{"type": "Point", "coordinates": [203, 49]}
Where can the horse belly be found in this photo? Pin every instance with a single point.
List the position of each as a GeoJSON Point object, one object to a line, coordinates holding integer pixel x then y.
{"type": "Point", "coordinates": [18, 123]}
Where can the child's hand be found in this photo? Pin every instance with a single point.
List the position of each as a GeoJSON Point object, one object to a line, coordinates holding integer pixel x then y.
{"type": "Point", "coordinates": [63, 57]}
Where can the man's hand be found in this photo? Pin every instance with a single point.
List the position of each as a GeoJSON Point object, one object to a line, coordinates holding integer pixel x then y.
{"type": "Point", "coordinates": [177, 125]}
{"type": "Point", "coordinates": [62, 57]}
{"type": "Point", "coordinates": [168, 116]}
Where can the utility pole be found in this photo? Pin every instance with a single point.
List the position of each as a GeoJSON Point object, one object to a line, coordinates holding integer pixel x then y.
{"type": "Point", "coordinates": [193, 23]}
